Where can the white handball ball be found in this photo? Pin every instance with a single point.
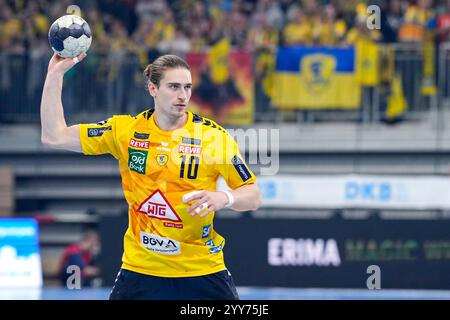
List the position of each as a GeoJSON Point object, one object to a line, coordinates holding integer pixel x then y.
{"type": "Point", "coordinates": [69, 36]}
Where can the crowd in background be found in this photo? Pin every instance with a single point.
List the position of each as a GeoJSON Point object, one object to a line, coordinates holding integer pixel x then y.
{"type": "Point", "coordinates": [149, 27]}
{"type": "Point", "coordinates": [141, 30]}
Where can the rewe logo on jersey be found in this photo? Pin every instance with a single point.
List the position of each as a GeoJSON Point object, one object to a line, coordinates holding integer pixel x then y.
{"type": "Point", "coordinates": [189, 149]}
{"type": "Point", "coordinates": [157, 206]}
{"type": "Point", "coordinates": [139, 144]}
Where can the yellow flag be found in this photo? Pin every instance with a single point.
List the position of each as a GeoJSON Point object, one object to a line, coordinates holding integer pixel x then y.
{"type": "Point", "coordinates": [368, 59]}
{"type": "Point", "coordinates": [265, 66]}
{"type": "Point", "coordinates": [428, 87]}
{"type": "Point", "coordinates": [396, 104]}
{"type": "Point", "coordinates": [218, 58]}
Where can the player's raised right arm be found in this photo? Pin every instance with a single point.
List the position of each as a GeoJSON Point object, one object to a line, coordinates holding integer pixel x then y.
{"type": "Point", "coordinates": [54, 130]}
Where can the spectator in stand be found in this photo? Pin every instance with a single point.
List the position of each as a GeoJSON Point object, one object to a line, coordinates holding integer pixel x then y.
{"type": "Point", "coordinates": [261, 35]}
{"type": "Point", "coordinates": [179, 44]}
{"type": "Point", "coordinates": [443, 24]}
{"type": "Point", "coordinates": [360, 33]}
{"type": "Point", "coordinates": [297, 31]}
{"type": "Point", "coordinates": [330, 29]}
{"type": "Point", "coordinates": [238, 23]}
{"type": "Point", "coordinates": [81, 254]}
{"type": "Point", "coordinates": [394, 20]}
{"type": "Point", "coordinates": [272, 11]}
{"type": "Point", "coordinates": [417, 20]}
{"type": "Point", "coordinates": [198, 42]}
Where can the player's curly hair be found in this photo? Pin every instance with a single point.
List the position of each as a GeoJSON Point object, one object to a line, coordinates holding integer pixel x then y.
{"type": "Point", "coordinates": [154, 71]}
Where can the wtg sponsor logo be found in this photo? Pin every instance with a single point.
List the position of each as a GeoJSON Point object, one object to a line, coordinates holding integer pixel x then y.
{"type": "Point", "coordinates": [157, 206]}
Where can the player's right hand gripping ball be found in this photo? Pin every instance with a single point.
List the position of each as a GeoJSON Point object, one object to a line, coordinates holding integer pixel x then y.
{"type": "Point", "coordinates": [69, 36]}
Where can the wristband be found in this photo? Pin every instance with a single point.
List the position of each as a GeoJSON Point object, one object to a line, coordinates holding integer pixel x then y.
{"type": "Point", "coordinates": [230, 199]}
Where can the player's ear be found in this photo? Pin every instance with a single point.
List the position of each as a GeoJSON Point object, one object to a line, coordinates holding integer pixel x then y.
{"type": "Point", "coordinates": [152, 89]}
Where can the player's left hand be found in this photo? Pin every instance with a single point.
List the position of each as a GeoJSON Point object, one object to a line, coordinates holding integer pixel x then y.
{"type": "Point", "coordinates": [205, 202]}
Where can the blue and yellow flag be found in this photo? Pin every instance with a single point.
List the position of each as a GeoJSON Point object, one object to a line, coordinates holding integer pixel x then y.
{"type": "Point", "coordinates": [316, 78]}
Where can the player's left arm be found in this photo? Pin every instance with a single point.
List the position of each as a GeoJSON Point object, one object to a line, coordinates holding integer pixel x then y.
{"type": "Point", "coordinates": [246, 198]}
{"type": "Point", "coordinates": [245, 194]}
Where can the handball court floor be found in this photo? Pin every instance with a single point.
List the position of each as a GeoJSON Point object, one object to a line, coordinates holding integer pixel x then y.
{"type": "Point", "coordinates": [246, 293]}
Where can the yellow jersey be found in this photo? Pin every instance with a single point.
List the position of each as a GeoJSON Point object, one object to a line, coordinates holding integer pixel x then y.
{"type": "Point", "coordinates": [157, 168]}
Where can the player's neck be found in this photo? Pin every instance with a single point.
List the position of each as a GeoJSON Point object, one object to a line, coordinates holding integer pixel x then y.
{"type": "Point", "coordinates": [168, 123]}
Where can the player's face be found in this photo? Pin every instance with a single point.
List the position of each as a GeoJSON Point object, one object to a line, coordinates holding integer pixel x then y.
{"type": "Point", "coordinates": [174, 92]}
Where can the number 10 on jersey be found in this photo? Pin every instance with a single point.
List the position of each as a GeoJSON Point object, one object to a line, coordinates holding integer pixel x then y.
{"type": "Point", "coordinates": [192, 168]}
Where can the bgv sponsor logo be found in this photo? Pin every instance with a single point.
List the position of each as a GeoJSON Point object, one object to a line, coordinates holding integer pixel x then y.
{"type": "Point", "coordinates": [159, 244]}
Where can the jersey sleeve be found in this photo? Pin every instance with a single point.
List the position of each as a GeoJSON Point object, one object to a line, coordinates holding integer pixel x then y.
{"type": "Point", "coordinates": [99, 138]}
{"type": "Point", "coordinates": [231, 164]}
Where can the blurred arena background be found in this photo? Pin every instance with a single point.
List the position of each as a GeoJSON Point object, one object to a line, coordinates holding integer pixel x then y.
{"type": "Point", "coordinates": [355, 175]}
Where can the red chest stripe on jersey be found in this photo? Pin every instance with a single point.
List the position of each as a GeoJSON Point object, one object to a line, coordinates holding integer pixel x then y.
{"type": "Point", "coordinates": [189, 149]}
{"type": "Point", "coordinates": [139, 144]}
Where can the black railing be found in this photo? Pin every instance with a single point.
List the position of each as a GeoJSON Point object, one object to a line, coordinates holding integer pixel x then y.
{"type": "Point", "coordinates": [113, 84]}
